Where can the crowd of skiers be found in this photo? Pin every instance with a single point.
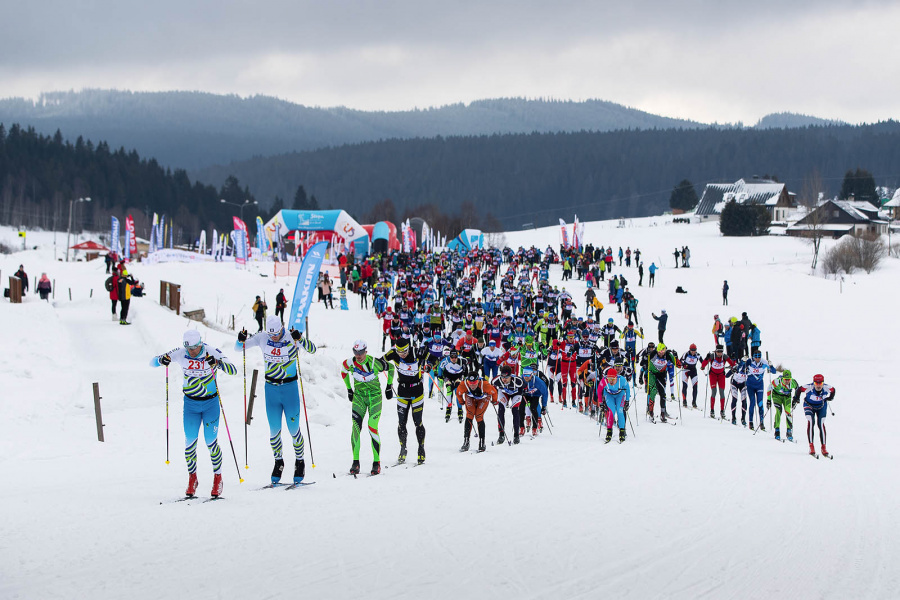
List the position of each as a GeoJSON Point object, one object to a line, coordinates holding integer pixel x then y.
{"type": "Point", "coordinates": [487, 331]}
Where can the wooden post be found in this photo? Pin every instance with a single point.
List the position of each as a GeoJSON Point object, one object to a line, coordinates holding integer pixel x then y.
{"type": "Point", "coordinates": [252, 395]}
{"type": "Point", "coordinates": [70, 294]}
{"type": "Point", "coordinates": [54, 289]}
{"type": "Point", "coordinates": [97, 413]}
{"type": "Point", "coordinates": [92, 293]}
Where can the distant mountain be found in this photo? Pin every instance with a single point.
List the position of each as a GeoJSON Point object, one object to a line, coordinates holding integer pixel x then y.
{"type": "Point", "coordinates": [193, 129]}
{"type": "Point", "coordinates": [787, 120]}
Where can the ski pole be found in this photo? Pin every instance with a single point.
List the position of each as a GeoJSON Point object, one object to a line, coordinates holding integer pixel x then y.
{"type": "Point", "coordinates": [705, 395]}
{"type": "Point", "coordinates": [508, 443]}
{"type": "Point", "coordinates": [238, 469]}
{"type": "Point", "coordinates": [246, 465]}
{"type": "Point", "coordinates": [762, 422]}
{"type": "Point", "coordinates": [677, 371]}
{"type": "Point", "coordinates": [167, 414]}
{"type": "Point", "coordinates": [312, 458]}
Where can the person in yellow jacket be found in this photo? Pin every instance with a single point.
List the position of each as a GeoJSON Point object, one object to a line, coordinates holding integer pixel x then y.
{"type": "Point", "coordinates": [125, 282]}
{"type": "Point", "coordinates": [598, 307]}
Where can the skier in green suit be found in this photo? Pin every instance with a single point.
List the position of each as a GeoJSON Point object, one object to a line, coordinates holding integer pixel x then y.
{"type": "Point", "coordinates": [780, 391]}
{"type": "Point", "coordinates": [365, 394]}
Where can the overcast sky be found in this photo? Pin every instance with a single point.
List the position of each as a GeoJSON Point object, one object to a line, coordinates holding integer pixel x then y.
{"type": "Point", "coordinates": [721, 60]}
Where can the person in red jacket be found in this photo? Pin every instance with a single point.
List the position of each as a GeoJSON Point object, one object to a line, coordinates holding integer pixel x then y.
{"type": "Point", "coordinates": [511, 359]}
{"type": "Point", "coordinates": [114, 293]}
{"type": "Point", "coordinates": [717, 363]}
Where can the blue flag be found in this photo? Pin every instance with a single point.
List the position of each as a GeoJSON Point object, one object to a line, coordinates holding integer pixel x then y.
{"type": "Point", "coordinates": [307, 280]}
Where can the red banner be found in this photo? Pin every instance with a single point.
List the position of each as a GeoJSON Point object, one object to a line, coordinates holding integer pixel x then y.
{"type": "Point", "coordinates": [132, 241]}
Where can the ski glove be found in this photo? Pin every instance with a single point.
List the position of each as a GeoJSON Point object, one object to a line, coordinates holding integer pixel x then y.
{"type": "Point", "coordinates": [388, 392]}
{"type": "Point", "coordinates": [211, 360]}
{"type": "Point", "coordinates": [164, 360]}
{"type": "Point", "coordinates": [242, 336]}
{"type": "Point", "coordinates": [349, 394]}
{"type": "Point", "coordinates": [768, 403]}
{"type": "Point", "coordinates": [296, 334]}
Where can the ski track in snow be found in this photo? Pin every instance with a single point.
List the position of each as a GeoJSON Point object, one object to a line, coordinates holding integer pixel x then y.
{"type": "Point", "coordinates": [701, 510]}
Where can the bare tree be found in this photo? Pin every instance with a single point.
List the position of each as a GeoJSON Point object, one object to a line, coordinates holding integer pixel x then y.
{"type": "Point", "coordinates": [814, 220]}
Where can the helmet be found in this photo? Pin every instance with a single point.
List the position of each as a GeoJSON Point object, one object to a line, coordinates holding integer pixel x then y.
{"type": "Point", "coordinates": [191, 338]}
{"type": "Point", "coordinates": [661, 347]}
{"type": "Point", "coordinates": [614, 345]}
{"type": "Point", "coordinates": [529, 339]}
{"type": "Point", "coordinates": [274, 326]}
{"type": "Point", "coordinates": [471, 378]}
{"type": "Point", "coordinates": [610, 320]}
{"type": "Point", "coordinates": [720, 348]}
{"type": "Point", "coordinates": [359, 347]}
{"type": "Point", "coordinates": [693, 347]}
{"type": "Point", "coordinates": [611, 373]}
{"type": "Point", "coordinates": [786, 374]}
{"type": "Point", "coordinates": [585, 333]}
{"type": "Point", "coordinates": [818, 378]}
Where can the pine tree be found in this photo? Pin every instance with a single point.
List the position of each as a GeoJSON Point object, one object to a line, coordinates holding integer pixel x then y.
{"type": "Point", "coordinates": [860, 185]}
{"type": "Point", "coordinates": [301, 202]}
{"type": "Point", "coordinates": [684, 196]}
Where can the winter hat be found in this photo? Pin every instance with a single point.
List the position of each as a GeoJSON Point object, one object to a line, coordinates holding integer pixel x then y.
{"type": "Point", "coordinates": [191, 338]}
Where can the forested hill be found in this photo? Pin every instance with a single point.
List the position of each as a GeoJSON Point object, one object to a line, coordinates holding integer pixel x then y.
{"type": "Point", "coordinates": [192, 129]}
{"type": "Point", "coordinates": [536, 178]}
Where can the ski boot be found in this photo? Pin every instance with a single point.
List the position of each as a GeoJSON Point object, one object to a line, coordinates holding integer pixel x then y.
{"type": "Point", "coordinates": [650, 417]}
{"type": "Point", "coordinates": [481, 444]}
{"type": "Point", "coordinates": [447, 415]}
{"type": "Point", "coordinates": [722, 413]}
{"type": "Point", "coordinates": [712, 413]}
{"type": "Point", "coordinates": [534, 430]}
{"type": "Point", "coordinates": [502, 438]}
{"type": "Point", "coordinates": [540, 425]}
{"type": "Point", "coordinates": [751, 425]}
{"type": "Point", "coordinates": [812, 449]}
{"type": "Point", "coordinates": [580, 406]}
{"type": "Point", "coordinates": [762, 426]}
{"type": "Point", "coordinates": [527, 422]}
{"type": "Point", "coordinates": [192, 485]}
{"type": "Point", "coordinates": [564, 405]}
{"type": "Point", "coordinates": [608, 436]}
{"type": "Point", "coordinates": [421, 454]}
{"type": "Point", "coordinates": [465, 446]}
{"type": "Point", "coordinates": [521, 431]}
{"type": "Point", "coordinates": [734, 420]}
{"type": "Point", "coordinates": [777, 434]}
{"type": "Point", "coordinates": [217, 486]}
{"type": "Point", "coordinates": [515, 437]}
{"type": "Point", "coordinates": [621, 435]}
{"type": "Point", "coordinates": [593, 412]}
{"type": "Point", "coordinates": [790, 435]}
{"type": "Point", "coordinates": [684, 403]}
{"type": "Point", "coordinates": [299, 470]}
{"type": "Point", "coordinates": [743, 421]}
{"type": "Point", "coordinates": [354, 468]}
{"type": "Point", "coordinates": [401, 458]}
{"type": "Point", "coordinates": [662, 416]}
{"type": "Point", "coordinates": [825, 452]}
{"type": "Point", "coordinates": [695, 407]}
{"type": "Point", "coordinates": [278, 470]}
{"type": "Point", "coordinates": [376, 468]}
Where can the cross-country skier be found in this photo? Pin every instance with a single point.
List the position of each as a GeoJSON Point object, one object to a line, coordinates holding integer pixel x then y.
{"type": "Point", "coordinates": [756, 384]}
{"type": "Point", "coordinates": [280, 348]}
{"type": "Point", "coordinates": [616, 396]}
{"type": "Point", "coordinates": [410, 393]}
{"type": "Point", "coordinates": [738, 374]}
{"type": "Point", "coordinates": [365, 394]}
{"type": "Point", "coordinates": [816, 395]}
{"type": "Point", "coordinates": [717, 363]}
{"type": "Point", "coordinates": [659, 366]}
{"type": "Point", "coordinates": [780, 392]}
{"type": "Point", "coordinates": [475, 393]}
{"type": "Point", "coordinates": [452, 371]}
{"type": "Point", "coordinates": [509, 396]}
{"type": "Point", "coordinates": [689, 374]}
{"type": "Point", "coordinates": [199, 363]}
{"type": "Point", "coordinates": [535, 393]}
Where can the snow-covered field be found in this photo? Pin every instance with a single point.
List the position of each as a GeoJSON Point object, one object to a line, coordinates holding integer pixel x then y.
{"type": "Point", "coordinates": [702, 509]}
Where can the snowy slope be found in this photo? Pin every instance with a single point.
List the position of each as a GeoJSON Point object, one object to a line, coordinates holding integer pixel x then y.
{"type": "Point", "coordinates": [701, 509]}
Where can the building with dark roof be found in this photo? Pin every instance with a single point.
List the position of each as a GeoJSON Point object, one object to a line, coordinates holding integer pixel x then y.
{"type": "Point", "coordinates": [770, 194]}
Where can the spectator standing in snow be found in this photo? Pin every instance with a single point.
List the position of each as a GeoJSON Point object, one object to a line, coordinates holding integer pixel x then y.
{"type": "Point", "coordinates": [114, 291]}
{"type": "Point", "coordinates": [686, 257]}
{"type": "Point", "coordinates": [259, 312]}
{"type": "Point", "coordinates": [280, 305]}
{"type": "Point", "coordinates": [641, 274]}
{"type": "Point", "coordinates": [652, 270]}
{"type": "Point", "coordinates": [725, 293]}
{"type": "Point", "coordinates": [21, 274]}
{"type": "Point", "coordinates": [677, 254]}
{"type": "Point", "coordinates": [663, 319]}
{"type": "Point", "coordinates": [44, 288]}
